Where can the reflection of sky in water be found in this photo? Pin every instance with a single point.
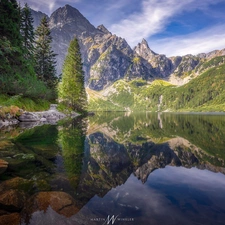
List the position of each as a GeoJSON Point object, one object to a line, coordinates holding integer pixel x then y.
{"type": "Point", "coordinates": [173, 195]}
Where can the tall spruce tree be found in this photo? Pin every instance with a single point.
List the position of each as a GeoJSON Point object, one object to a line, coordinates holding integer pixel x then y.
{"type": "Point", "coordinates": [44, 56]}
{"type": "Point", "coordinates": [71, 89]}
{"type": "Point", "coordinates": [27, 31]}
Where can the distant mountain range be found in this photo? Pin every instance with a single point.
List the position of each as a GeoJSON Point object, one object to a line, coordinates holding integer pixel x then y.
{"type": "Point", "coordinates": [108, 58]}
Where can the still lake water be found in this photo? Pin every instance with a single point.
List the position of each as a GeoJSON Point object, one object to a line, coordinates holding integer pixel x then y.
{"type": "Point", "coordinates": [115, 168]}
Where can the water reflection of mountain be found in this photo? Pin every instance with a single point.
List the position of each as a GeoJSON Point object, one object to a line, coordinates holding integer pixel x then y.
{"type": "Point", "coordinates": [118, 146]}
{"type": "Point", "coordinates": [201, 134]}
{"type": "Point", "coordinates": [58, 167]}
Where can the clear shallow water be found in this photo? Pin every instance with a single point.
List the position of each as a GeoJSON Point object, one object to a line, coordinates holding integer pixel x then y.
{"type": "Point", "coordinates": [116, 169]}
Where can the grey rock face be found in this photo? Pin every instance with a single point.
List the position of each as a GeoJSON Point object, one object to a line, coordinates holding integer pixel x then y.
{"type": "Point", "coordinates": [103, 29]}
{"type": "Point", "coordinates": [143, 50]}
{"type": "Point", "coordinates": [187, 63]}
{"type": "Point", "coordinates": [162, 66]}
{"type": "Point", "coordinates": [29, 117]}
{"type": "Point", "coordinates": [105, 70]}
{"type": "Point", "coordinates": [66, 23]}
{"type": "Point", "coordinates": [46, 116]}
{"type": "Point", "coordinates": [211, 54]}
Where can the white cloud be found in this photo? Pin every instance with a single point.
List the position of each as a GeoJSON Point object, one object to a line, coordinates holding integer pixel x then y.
{"type": "Point", "coordinates": [41, 5]}
{"type": "Point", "coordinates": [198, 42]}
{"type": "Point", "coordinates": [47, 6]}
{"type": "Point", "coordinates": [154, 17]}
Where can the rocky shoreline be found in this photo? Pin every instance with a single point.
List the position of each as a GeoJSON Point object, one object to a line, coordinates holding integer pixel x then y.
{"type": "Point", "coordinates": [28, 119]}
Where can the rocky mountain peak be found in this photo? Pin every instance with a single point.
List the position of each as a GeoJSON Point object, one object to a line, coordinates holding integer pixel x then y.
{"type": "Point", "coordinates": [103, 29]}
{"type": "Point", "coordinates": [144, 43]}
{"type": "Point", "coordinates": [143, 50]}
{"type": "Point", "coordinates": [69, 16]}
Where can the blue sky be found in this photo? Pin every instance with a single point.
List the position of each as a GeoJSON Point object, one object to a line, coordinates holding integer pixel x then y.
{"type": "Point", "coordinates": [171, 27]}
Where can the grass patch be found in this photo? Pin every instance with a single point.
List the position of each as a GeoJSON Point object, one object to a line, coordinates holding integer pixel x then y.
{"type": "Point", "coordinates": [24, 103]}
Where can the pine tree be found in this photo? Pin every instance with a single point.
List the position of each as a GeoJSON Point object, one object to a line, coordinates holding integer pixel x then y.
{"type": "Point", "coordinates": [44, 56]}
{"type": "Point", "coordinates": [10, 21]}
{"type": "Point", "coordinates": [71, 89]}
{"type": "Point", "coordinates": [27, 31]}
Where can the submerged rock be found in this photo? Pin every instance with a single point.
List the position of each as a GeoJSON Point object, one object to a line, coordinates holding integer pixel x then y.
{"type": "Point", "coordinates": [60, 202]}
{"type": "Point", "coordinates": [12, 200]}
{"type": "Point", "coordinates": [16, 183]}
{"type": "Point", "coordinates": [10, 219]}
{"type": "Point", "coordinates": [3, 166]}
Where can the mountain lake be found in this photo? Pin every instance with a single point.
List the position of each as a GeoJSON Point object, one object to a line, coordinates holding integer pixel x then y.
{"type": "Point", "coordinates": [115, 168]}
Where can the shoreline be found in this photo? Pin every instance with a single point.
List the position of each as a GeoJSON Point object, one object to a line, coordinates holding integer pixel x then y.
{"type": "Point", "coordinates": [32, 119]}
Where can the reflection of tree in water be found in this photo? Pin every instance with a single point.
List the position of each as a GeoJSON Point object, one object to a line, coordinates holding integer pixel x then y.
{"type": "Point", "coordinates": [71, 138]}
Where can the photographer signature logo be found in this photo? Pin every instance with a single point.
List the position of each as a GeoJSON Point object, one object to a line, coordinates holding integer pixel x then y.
{"type": "Point", "coordinates": [110, 220]}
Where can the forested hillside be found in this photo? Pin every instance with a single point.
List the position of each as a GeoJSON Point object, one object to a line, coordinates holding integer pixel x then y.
{"type": "Point", "coordinates": [206, 92]}
{"type": "Point", "coordinates": [22, 54]}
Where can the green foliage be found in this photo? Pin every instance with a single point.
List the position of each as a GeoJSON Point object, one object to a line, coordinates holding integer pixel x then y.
{"type": "Point", "coordinates": [138, 82]}
{"type": "Point", "coordinates": [44, 56]}
{"type": "Point", "coordinates": [17, 75]}
{"type": "Point", "coordinates": [71, 90]}
{"type": "Point", "coordinates": [11, 57]}
{"type": "Point", "coordinates": [10, 21]}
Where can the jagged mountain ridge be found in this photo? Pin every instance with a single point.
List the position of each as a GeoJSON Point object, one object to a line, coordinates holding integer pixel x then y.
{"type": "Point", "coordinates": [107, 57]}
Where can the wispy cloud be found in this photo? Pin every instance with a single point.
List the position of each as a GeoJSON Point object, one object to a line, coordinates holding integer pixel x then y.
{"type": "Point", "coordinates": [41, 5]}
{"type": "Point", "coordinates": [154, 17]}
{"type": "Point", "coordinates": [198, 42]}
{"type": "Point", "coordinates": [47, 6]}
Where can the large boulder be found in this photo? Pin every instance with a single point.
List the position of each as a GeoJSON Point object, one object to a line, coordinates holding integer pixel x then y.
{"type": "Point", "coordinates": [61, 202]}
{"type": "Point", "coordinates": [29, 117]}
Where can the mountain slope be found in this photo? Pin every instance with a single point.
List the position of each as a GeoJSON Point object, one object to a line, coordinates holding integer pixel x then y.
{"type": "Point", "coordinates": [204, 93]}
